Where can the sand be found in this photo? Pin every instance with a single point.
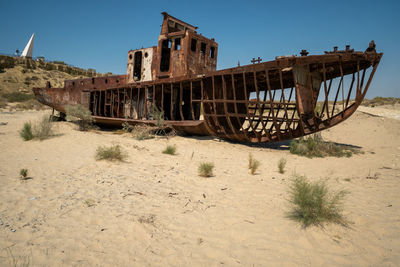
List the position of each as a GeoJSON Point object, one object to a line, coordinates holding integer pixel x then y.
{"type": "Point", "coordinates": [154, 210]}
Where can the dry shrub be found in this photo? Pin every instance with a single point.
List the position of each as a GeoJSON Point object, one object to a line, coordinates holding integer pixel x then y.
{"type": "Point", "coordinates": [206, 169]}
{"type": "Point", "coordinates": [313, 203]}
{"type": "Point", "coordinates": [281, 165]}
{"type": "Point", "coordinates": [81, 113]}
{"type": "Point", "coordinates": [111, 153]}
{"type": "Point", "coordinates": [170, 150]}
{"type": "Point", "coordinates": [149, 219]}
{"type": "Point", "coordinates": [43, 128]}
{"type": "Point", "coordinates": [143, 132]}
{"type": "Point", "coordinates": [315, 146]}
{"type": "Point", "coordinates": [146, 131]}
{"type": "Point", "coordinates": [253, 164]}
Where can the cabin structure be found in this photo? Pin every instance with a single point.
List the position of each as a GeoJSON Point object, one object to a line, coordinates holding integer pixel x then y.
{"type": "Point", "coordinates": [180, 51]}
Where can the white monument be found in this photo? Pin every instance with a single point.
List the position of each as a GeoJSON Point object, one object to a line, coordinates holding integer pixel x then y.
{"type": "Point", "coordinates": [28, 48]}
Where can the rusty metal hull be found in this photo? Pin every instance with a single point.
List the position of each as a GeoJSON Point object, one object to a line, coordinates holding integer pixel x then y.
{"type": "Point", "coordinates": [273, 101]}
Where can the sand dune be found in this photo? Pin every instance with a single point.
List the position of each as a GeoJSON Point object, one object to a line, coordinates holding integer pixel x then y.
{"type": "Point", "coordinates": [154, 210]}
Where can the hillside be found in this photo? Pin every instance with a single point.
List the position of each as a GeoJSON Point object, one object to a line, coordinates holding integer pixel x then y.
{"type": "Point", "coordinates": [19, 75]}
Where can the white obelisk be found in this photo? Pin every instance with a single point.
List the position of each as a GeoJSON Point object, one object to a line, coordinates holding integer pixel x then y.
{"type": "Point", "coordinates": [28, 48]}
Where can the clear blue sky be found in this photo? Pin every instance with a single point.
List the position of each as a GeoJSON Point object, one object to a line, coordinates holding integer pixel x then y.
{"type": "Point", "coordinates": [98, 34]}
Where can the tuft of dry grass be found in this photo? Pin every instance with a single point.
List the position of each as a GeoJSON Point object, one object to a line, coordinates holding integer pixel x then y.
{"type": "Point", "coordinates": [112, 153]}
{"type": "Point", "coordinates": [253, 164]}
{"type": "Point", "coordinates": [41, 129]}
{"type": "Point", "coordinates": [282, 165]}
{"type": "Point", "coordinates": [313, 203]}
{"type": "Point", "coordinates": [90, 202]}
{"type": "Point", "coordinates": [315, 146]}
{"type": "Point", "coordinates": [206, 169]}
{"type": "Point", "coordinates": [170, 150]}
{"type": "Point", "coordinates": [148, 219]}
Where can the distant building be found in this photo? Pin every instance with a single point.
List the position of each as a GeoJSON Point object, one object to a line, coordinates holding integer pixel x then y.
{"type": "Point", "coordinates": [28, 50]}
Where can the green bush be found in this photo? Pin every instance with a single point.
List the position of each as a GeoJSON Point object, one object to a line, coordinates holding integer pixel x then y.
{"type": "Point", "coordinates": [171, 150]}
{"type": "Point", "coordinates": [111, 153]}
{"type": "Point", "coordinates": [26, 132]}
{"type": "Point", "coordinates": [315, 146]}
{"type": "Point", "coordinates": [23, 173]}
{"type": "Point", "coordinates": [81, 113]}
{"type": "Point", "coordinates": [206, 169]}
{"type": "Point", "coordinates": [314, 204]}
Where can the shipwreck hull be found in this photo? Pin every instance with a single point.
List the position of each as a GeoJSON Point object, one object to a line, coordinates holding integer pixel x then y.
{"type": "Point", "coordinates": [265, 102]}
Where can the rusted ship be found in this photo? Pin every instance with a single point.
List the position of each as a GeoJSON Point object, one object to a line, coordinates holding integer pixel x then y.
{"type": "Point", "coordinates": [288, 97]}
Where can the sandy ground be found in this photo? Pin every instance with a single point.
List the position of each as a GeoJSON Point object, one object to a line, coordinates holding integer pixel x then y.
{"type": "Point", "coordinates": [154, 210]}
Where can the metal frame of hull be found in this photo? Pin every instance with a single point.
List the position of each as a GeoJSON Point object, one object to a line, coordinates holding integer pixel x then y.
{"type": "Point", "coordinates": [273, 101]}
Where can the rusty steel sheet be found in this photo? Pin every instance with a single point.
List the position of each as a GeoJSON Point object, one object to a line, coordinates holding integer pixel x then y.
{"type": "Point", "coordinates": [289, 97]}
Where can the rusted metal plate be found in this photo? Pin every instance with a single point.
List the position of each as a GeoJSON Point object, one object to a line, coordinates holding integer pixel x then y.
{"type": "Point", "coordinates": [271, 101]}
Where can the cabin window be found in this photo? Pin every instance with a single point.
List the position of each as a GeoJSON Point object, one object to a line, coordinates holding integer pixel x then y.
{"type": "Point", "coordinates": [137, 67]}
{"type": "Point", "coordinates": [193, 45]}
{"type": "Point", "coordinates": [203, 48]}
{"type": "Point", "coordinates": [177, 44]}
{"type": "Point", "coordinates": [174, 26]}
{"type": "Point", "coordinates": [165, 55]}
{"type": "Point", "coordinates": [212, 52]}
